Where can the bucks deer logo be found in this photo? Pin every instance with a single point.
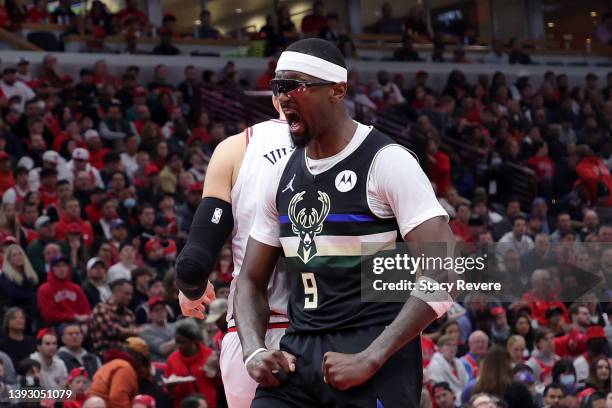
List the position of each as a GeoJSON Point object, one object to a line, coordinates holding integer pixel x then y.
{"type": "Point", "coordinates": [307, 226]}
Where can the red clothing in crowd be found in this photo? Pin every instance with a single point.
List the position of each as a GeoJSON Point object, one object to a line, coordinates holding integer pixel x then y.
{"type": "Point", "coordinates": [543, 166]}
{"type": "Point", "coordinates": [462, 230]}
{"type": "Point", "coordinates": [6, 181]}
{"type": "Point", "coordinates": [571, 345]}
{"type": "Point", "coordinates": [199, 134]}
{"type": "Point", "coordinates": [96, 158]}
{"type": "Point", "coordinates": [125, 14]}
{"type": "Point", "coordinates": [93, 212]}
{"type": "Point", "coordinates": [440, 172]}
{"type": "Point", "coordinates": [5, 21]}
{"type": "Point", "coordinates": [313, 24]}
{"type": "Point", "coordinates": [37, 16]}
{"type": "Point", "coordinates": [592, 172]}
{"type": "Point", "coordinates": [184, 366]}
{"type": "Point", "coordinates": [48, 197]}
{"type": "Point", "coordinates": [539, 307]}
{"type": "Point", "coordinates": [428, 348]}
{"type": "Point", "coordinates": [60, 300]}
{"type": "Point", "coordinates": [64, 224]}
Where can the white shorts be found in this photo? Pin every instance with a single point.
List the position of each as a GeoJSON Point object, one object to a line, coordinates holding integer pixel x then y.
{"type": "Point", "coordinates": [239, 386]}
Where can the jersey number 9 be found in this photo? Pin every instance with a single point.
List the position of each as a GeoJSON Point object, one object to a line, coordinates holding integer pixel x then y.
{"type": "Point", "coordinates": [310, 290]}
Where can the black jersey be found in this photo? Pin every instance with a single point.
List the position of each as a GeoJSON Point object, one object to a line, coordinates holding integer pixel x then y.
{"type": "Point", "coordinates": [324, 219]}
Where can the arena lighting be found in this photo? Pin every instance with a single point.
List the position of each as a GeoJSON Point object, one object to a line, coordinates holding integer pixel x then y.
{"type": "Point", "coordinates": [238, 10]}
{"type": "Point", "coordinates": [550, 24]}
{"type": "Point", "coordinates": [593, 14]}
{"type": "Point", "coordinates": [197, 22]}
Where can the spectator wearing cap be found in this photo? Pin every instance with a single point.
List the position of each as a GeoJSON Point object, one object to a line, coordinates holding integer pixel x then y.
{"type": "Point", "coordinates": [86, 91]}
{"type": "Point", "coordinates": [16, 194]}
{"type": "Point", "coordinates": [443, 395]}
{"type": "Point", "coordinates": [478, 342]}
{"type": "Point", "coordinates": [72, 218]}
{"type": "Point", "coordinates": [113, 321]}
{"type": "Point", "coordinates": [155, 257]}
{"type": "Point", "coordinates": [127, 263]}
{"type": "Point", "coordinates": [18, 281]}
{"type": "Point", "coordinates": [53, 370]}
{"type": "Point", "coordinates": [114, 129]}
{"type": "Point", "coordinates": [151, 191]}
{"type": "Point", "coordinates": [95, 287]}
{"type": "Point", "coordinates": [446, 367]}
{"type": "Point", "coordinates": [155, 289]}
{"type": "Point", "coordinates": [596, 347]}
{"type": "Point", "coordinates": [50, 160]}
{"type": "Point", "coordinates": [61, 300]}
{"type": "Point", "coordinates": [81, 162]}
{"type": "Point", "coordinates": [162, 231]}
{"type": "Point", "coordinates": [10, 87]}
{"type": "Point", "coordinates": [543, 358]}
{"type": "Point", "coordinates": [95, 148]}
{"type": "Point", "coordinates": [72, 352]}
{"type": "Point", "coordinates": [192, 357]}
{"type": "Point", "coordinates": [158, 333]}
{"type": "Point", "coordinates": [78, 382]}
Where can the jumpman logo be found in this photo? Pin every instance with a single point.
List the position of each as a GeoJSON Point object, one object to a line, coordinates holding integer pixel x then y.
{"type": "Point", "coordinates": [289, 185]}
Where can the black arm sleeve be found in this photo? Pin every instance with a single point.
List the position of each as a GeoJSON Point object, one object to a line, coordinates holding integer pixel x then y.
{"type": "Point", "coordinates": [211, 226]}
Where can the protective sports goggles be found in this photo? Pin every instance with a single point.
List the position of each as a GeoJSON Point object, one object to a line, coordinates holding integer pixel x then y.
{"type": "Point", "coordinates": [286, 86]}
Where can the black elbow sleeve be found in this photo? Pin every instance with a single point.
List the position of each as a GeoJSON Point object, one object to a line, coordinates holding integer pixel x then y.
{"type": "Point", "coordinates": [211, 226]}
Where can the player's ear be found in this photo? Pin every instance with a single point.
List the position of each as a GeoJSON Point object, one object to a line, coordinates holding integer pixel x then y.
{"type": "Point", "coordinates": [338, 91]}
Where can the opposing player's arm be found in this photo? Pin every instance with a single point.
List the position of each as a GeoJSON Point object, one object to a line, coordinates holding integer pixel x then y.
{"type": "Point", "coordinates": [422, 223]}
{"type": "Point", "coordinates": [251, 308]}
{"type": "Point", "coordinates": [212, 222]}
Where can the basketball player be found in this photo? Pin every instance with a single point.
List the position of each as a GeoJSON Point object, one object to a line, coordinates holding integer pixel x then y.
{"type": "Point", "coordinates": [345, 184]}
{"type": "Point", "coordinates": [238, 169]}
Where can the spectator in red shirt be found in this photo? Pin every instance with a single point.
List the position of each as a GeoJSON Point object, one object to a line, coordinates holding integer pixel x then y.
{"type": "Point", "coordinates": [541, 163]}
{"type": "Point", "coordinates": [460, 225]}
{"type": "Point", "coordinates": [131, 12]}
{"type": "Point", "coordinates": [38, 14]}
{"type": "Point", "coordinates": [96, 151]}
{"type": "Point", "coordinates": [5, 21]}
{"type": "Point", "coordinates": [263, 82]}
{"type": "Point", "coordinates": [439, 167]}
{"type": "Point", "coordinates": [6, 173]}
{"type": "Point", "coordinates": [48, 187]}
{"type": "Point", "coordinates": [313, 23]}
{"type": "Point", "coordinates": [201, 132]}
{"type": "Point", "coordinates": [94, 210]}
{"type": "Point", "coordinates": [541, 298]}
{"type": "Point", "coordinates": [595, 176]}
{"type": "Point", "coordinates": [73, 216]}
{"type": "Point", "coordinates": [61, 300]}
{"type": "Point", "coordinates": [195, 359]}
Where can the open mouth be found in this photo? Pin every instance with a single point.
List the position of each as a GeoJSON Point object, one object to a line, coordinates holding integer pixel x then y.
{"type": "Point", "coordinates": [294, 120]}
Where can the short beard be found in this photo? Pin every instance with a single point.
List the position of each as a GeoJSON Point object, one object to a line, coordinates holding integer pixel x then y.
{"type": "Point", "coordinates": [301, 140]}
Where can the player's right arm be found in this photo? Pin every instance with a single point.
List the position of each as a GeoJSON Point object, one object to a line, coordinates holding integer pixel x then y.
{"type": "Point", "coordinates": [211, 226]}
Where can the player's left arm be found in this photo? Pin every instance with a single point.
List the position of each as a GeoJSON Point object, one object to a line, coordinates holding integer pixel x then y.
{"type": "Point", "coordinates": [422, 222]}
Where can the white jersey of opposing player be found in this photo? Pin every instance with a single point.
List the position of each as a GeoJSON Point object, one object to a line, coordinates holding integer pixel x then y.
{"type": "Point", "coordinates": [268, 143]}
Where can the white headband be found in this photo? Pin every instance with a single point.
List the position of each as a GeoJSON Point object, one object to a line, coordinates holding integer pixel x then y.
{"type": "Point", "coordinates": [311, 65]}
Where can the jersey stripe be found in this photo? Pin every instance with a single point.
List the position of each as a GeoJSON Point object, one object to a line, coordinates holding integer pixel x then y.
{"type": "Point", "coordinates": [284, 219]}
{"type": "Point", "coordinates": [347, 245]}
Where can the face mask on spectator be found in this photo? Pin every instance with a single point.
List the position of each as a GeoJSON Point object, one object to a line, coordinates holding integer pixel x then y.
{"type": "Point", "coordinates": [567, 379]}
{"type": "Point", "coordinates": [129, 202]}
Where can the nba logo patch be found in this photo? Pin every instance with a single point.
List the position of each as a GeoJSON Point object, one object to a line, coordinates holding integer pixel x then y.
{"type": "Point", "coordinates": [216, 216]}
